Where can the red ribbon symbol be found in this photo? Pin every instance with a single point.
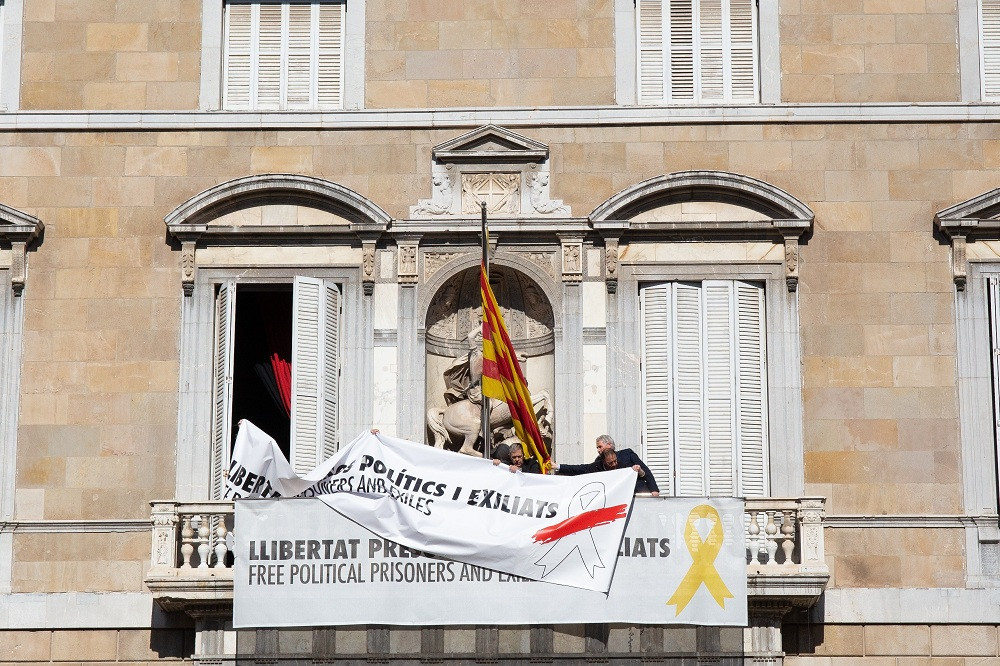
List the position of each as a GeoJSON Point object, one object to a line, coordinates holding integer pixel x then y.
{"type": "Point", "coordinates": [586, 511]}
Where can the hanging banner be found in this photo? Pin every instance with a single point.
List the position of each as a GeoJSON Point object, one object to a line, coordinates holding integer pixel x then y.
{"type": "Point", "coordinates": [563, 530]}
{"type": "Point", "coordinates": [681, 561]}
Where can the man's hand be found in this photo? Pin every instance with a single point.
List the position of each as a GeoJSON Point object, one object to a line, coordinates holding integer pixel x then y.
{"type": "Point", "coordinates": [655, 493]}
{"type": "Point", "coordinates": [638, 470]}
{"type": "Point", "coordinates": [514, 468]}
{"type": "Point", "coordinates": [374, 431]}
{"type": "Point", "coordinates": [496, 461]}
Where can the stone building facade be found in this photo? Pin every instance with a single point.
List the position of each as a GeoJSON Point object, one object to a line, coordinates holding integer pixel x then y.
{"type": "Point", "coordinates": [851, 203]}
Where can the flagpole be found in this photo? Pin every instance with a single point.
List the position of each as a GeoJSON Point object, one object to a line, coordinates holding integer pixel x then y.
{"type": "Point", "coordinates": [487, 440]}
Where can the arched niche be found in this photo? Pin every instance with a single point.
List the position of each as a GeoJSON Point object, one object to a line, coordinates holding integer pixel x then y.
{"type": "Point", "coordinates": [451, 320]}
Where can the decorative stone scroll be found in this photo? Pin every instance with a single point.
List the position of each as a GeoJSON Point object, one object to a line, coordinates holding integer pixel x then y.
{"type": "Point", "coordinates": [20, 230]}
{"type": "Point", "coordinates": [611, 264]}
{"type": "Point", "coordinates": [368, 268]}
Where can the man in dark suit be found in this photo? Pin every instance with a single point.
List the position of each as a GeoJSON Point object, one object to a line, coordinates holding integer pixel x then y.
{"type": "Point", "coordinates": [608, 458]}
{"type": "Point", "coordinates": [518, 461]}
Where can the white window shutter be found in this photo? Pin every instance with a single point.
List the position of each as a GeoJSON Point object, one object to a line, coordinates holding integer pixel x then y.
{"type": "Point", "coordinates": [711, 43]}
{"type": "Point", "coordinates": [239, 57]}
{"type": "Point", "coordinates": [222, 385]}
{"type": "Point", "coordinates": [993, 287]}
{"type": "Point", "coordinates": [682, 62]}
{"type": "Point", "coordinates": [315, 339]}
{"type": "Point", "coordinates": [657, 375]}
{"type": "Point", "coordinates": [689, 393]}
{"type": "Point", "coordinates": [705, 50]}
{"type": "Point", "coordinates": [720, 387]}
{"type": "Point", "coordinates": [752, 391]}
{"type": "Point", "coordinates": [650, 44]}
{"type": "Point", "coordinates": [329, 422]}
{"type": "Point", "coordinates": [270, 44]}
{"type": "Point", "coordinates": [330, 56]}
{"type": "Point", "coordinates": [742, 67]}
{"type": "Point", "coordinates": [300, 47]}
{"type": "Point", "coordinates": [989, 47]}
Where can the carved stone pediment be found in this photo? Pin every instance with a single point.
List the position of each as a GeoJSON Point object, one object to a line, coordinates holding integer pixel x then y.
{"type": "Point", "coordinates": [492, 165]}
{"type": "Point", "coordinates": [491, 143]}
{"type": "Point", "coordinates": [977, 218]}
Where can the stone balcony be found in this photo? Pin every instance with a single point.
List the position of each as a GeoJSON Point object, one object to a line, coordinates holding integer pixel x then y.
{"type": "Point", "coordinates": [191, 568]}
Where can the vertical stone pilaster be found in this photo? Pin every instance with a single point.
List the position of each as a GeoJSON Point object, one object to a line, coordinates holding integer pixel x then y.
{"type": "Point", "coordinates": [411, 366]}
{"type": "Point", "coordinates": [569, 371]}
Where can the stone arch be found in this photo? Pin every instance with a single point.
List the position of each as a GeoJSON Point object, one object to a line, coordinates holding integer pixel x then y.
{"type": "Point", "coordinates": [507, 259]}
{"type": "Point", "coordinates": [285, 188]}
{"type": "Point", "coordinates": [768, 200]}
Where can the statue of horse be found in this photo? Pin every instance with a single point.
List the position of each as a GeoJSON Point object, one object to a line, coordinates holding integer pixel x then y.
{"type": "Point", "coordinates": [459, 425]}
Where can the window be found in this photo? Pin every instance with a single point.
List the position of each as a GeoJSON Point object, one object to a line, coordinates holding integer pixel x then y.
{"type": "Point", "coordinates": [705, 387]}
{"type": "Point", "coordinates": [697, 51]}
{"type": "Point", "coordinates": [277, 363]}
{"type": "Point", "coordinates": [283, 55]}
{"type": "Point", "coordinates": [989, 49]}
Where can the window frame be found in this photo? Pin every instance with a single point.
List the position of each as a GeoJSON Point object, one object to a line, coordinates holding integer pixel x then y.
{"type": "Point", "coordinates": [627, 55]}
{"type": "Point", "coordinates": [213, 57]}
{"type": "Point", "coordinates": [11, 30]}
{"type": "Point", "coordinates": [195, 448]}
{"type": "Point", "coordinates": [785, 466]}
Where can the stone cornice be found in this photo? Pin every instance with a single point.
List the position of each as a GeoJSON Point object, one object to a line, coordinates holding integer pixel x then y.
{"type": "Point", "coordinates": [613, 115]}
{"type": "Point", "coordinates": [76, 526]}
{"type": "Point", "coordinates": [19, 230]}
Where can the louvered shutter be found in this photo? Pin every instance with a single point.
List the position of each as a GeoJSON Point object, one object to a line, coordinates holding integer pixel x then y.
{"type": "Point", "coordinates": [222, 385]}
{"type": "Point", "coordinates": [689, 396]}
{"type": "Point", "coordinates": [720, 376]}
{"type": "Point", "coordinates": [239, 57]}
{"type": "Point", "coordinates": [657, 383]}
{"type": "Point", "coordinates": [751, 386]}
{"type": "Point", "coordinates": [742, 67]}
{"type": "Point", "coordinates": [704, 380]}
{"type": "Point", "coordinates": [300, 45]}
{"type": "Point", "coordinates": [315, 339]}
{"type": "Point", "coordinates": [270, 42]}
{"type": "Point", "coordinates": [989, 47]}
{"type": "Point", "coordinates": [709, 54]}
{"type": "Point", "coordinates": [681, 52]}
{"type": "Point", "coordinates": [649, 16]}
{"type": "Point", "coordinates": [330, 56]}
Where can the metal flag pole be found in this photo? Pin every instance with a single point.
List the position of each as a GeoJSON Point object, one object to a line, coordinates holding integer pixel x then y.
{"type": "Point", "coordinates": [487, 443]}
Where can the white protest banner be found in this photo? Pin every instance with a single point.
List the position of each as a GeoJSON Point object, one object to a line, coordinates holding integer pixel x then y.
{"type": "Point", "coordinates": [559, 529]}
{"type": "Point", "coordinates": [300, 564]}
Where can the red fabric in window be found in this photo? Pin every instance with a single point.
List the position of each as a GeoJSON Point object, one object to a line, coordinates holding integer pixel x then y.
{"type": "Point", "coordinates": [283, 378]}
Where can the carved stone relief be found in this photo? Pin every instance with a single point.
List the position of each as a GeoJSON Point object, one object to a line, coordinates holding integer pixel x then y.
{"type": "Point", "coordinates": [441, 198]}
{"type": "Point", "coordinates": [433, 261]}
{"type": "Point", "coordinates": [543, 260]}
{"type": "Point", "coordinates": [500, 192]}
{"type": "Point", "coordinates": [407, 268]}
{"type": "Point", "coordinates": [572, 261]}
{"type": "Point", "coordinates": [538, 194]}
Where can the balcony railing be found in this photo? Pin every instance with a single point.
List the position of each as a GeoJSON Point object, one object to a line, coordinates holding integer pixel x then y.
{"type": "Point", "coordinates": [192, 561]}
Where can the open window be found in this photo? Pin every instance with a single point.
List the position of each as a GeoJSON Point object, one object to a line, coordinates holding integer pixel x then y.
{"type": "Point", "coordinates": [277, 363]}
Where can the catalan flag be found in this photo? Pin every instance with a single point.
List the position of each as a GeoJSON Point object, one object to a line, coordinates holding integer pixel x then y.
{"type": "Point", "coordinates": [503, 379]}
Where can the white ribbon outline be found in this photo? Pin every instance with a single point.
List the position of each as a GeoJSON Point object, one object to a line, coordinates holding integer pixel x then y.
{"type": "Point", "coordinates": [588, 498]}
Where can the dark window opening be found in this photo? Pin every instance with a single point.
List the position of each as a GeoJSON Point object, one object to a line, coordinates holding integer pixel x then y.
{"type": "Point", "coordinates": [262, 355]}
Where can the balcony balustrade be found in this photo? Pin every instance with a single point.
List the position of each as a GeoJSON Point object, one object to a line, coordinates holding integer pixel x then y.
{"type": "Point", "coordinates": [192, 560]}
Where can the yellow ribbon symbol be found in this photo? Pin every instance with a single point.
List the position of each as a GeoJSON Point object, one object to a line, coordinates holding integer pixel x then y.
{"type": "Point", "coordinates": [703, 553]}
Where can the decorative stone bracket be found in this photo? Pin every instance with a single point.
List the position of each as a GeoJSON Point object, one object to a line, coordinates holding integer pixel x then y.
{"type": "Point", "coordinates": [572, 259]}
{"type": "Point", "coordinates": [406, 265]}
{"type": "Point", "coordinates": [20, 230]}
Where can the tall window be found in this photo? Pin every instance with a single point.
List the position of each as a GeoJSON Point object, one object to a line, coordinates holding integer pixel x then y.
{"type": "Point", "coordinates": [283, 55]}
{"type": "Point", "coordinates": [705, 387]}
{"type": "Point", "coordinates": [277, 363]}
{"type": "Point", "coordinates": [989, 48]}
{"type": "Point", "coordinates": [697, 51]}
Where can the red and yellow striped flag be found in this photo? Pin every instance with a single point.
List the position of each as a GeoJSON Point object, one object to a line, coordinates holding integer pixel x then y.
{"type": "Point", "coordinates": [503, 379]}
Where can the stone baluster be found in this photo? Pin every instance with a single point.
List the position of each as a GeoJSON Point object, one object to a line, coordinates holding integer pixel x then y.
{"type": "Point", "coordinates": [220, 543]}
{"type": "Point", "coordinates": [788, 534]}
{"type": "Point", "coordinates": [753, 537]}
{"type": "Point", "coordinates": [204, 530]}
{"type": "Point", "coordinates": [771, 529]}
{"type": "Point", "coordinates": [187, 542]}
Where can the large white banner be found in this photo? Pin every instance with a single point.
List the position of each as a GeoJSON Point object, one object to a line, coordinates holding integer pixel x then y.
{"type": "Point", "coordinates": [681, 561]}
{"type": "Point", "coordinates": [563, 530]}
